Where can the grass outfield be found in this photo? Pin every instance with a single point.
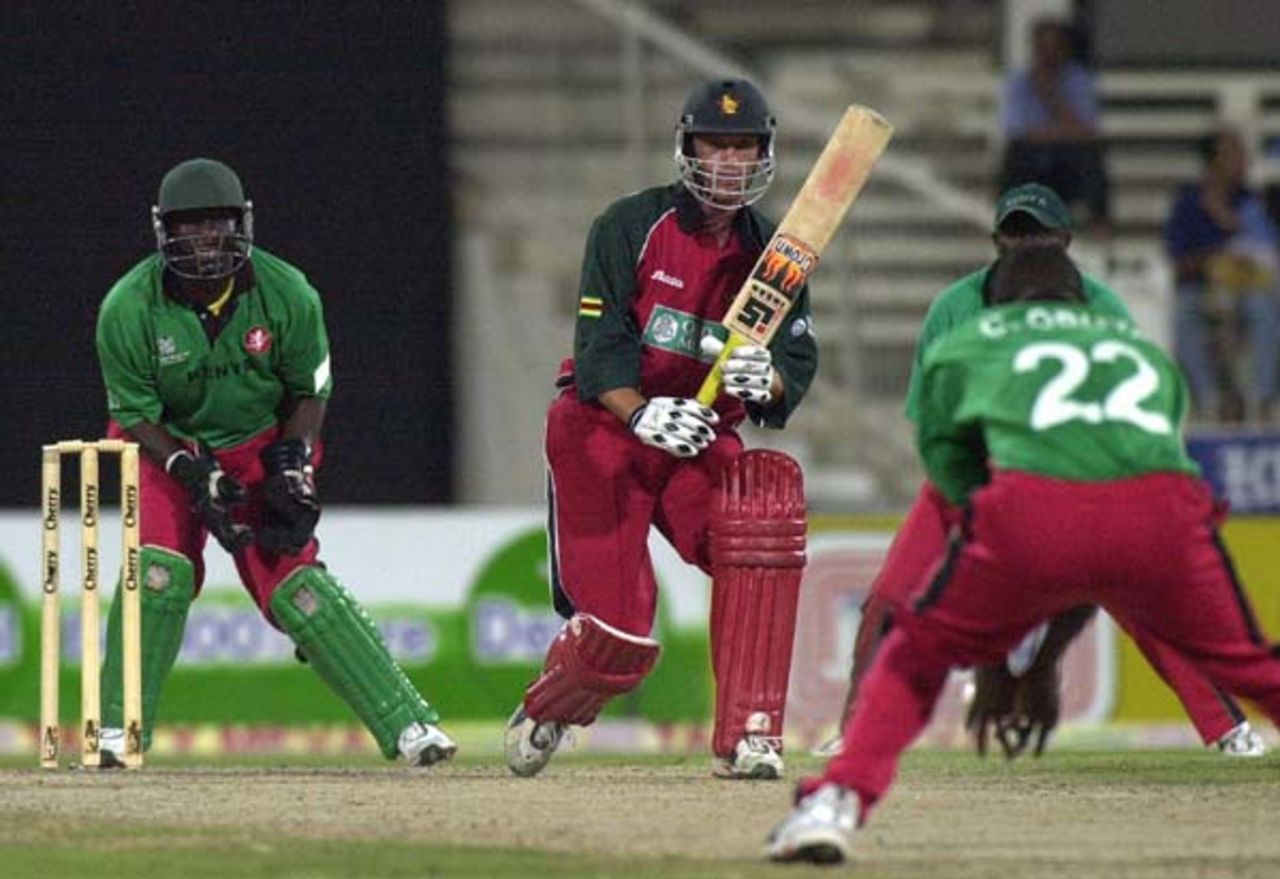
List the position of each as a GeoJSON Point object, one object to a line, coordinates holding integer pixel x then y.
{"type": "Point", "coordinates": [1133, 814]}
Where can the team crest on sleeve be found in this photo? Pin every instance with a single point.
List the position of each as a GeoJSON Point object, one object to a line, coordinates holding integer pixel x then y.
{"type": "Point", "coordinates": [257, 340]}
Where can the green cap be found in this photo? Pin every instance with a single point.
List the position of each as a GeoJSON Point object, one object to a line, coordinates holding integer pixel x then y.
{"type": "Point", "coordinates": [198, 184]}
{"type": "Point", "coordinates": [1036, 199]}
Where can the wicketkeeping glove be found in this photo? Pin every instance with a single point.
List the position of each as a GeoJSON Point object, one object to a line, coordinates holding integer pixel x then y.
{"type": "Point", "coordinates": [747, 373]}
{"type": "Point", "coordinates": [291, 507]}
{"type": "Point", "coordinates": [677, 425]}
{"type": "Point", "coordinates": [213, 494]}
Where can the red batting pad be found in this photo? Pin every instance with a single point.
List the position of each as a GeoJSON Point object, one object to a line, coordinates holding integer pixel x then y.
{"type": "Point", "coordinates": [588, 663]}
{"type": "Point", "coordinates": [757, 556]}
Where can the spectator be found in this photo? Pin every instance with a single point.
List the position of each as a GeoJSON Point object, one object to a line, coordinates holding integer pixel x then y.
{"type": "Point", "coordinates": [1051, 126]}
{"type": "Point", "coordinates": [1223, 247]}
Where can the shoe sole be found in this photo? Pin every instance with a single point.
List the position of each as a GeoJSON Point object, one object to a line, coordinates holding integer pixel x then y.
{"type": "Point", "coordinates": [820, 853]}
{"type": "Point", "coordinates": [759, 772]}
{"type": "Point", "coordinates": [433, 754]}
{"type": "Point", "coordinates": [813, 852]}
{"type": "Point", "coordinates": [108, 760]}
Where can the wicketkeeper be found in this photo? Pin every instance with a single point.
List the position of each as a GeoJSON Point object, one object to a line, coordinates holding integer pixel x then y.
{"type": "Point", "coordinates": [216, 361]}
{"type": "Point", "coordinates": [628, 448]}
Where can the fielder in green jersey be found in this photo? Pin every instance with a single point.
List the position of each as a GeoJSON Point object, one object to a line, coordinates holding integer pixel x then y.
{"type": "Point", "coordinates": [1056, 390]}
{"type": "Point", "coordinates": [1017, 707]}
{"type": "Point", "coordinates": [1123, 522]}
{"type": "Point", "coordinates": [216, 362]}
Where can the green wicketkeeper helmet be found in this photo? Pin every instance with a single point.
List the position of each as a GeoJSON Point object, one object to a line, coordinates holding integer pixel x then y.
{"type": "Point", "coordinates": [203, 191]}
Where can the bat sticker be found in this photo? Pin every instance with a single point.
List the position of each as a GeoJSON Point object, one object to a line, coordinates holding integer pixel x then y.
{"type": "Point", "coordinates": [787, 265]}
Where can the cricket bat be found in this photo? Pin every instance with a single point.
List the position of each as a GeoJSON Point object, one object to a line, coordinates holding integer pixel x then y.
{"type": "Point", "coordinates": [792, 253]}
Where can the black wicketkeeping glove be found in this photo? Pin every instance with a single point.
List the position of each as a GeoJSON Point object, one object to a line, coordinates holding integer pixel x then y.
{"type": "Point", "coordinates": [213, 494]}
{"type": "Point", "coordinates": [291, 507]}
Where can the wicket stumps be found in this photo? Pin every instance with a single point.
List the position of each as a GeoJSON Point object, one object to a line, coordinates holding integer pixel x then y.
{"type": "Point", "coordinates": [90, 631]}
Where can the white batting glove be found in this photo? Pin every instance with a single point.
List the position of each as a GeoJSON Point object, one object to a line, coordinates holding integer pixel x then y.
{"type": "Point", "coordinates": [747, 373]}
{"type": "Point", "coordinates": [677, 425]}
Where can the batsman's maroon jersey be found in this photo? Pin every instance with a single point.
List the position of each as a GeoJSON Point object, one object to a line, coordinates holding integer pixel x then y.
{"type": "Point", "coordinates": [652, 286]}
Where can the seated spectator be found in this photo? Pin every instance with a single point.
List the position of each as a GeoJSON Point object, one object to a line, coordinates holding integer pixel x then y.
{"type": "Point", "coordinates": [1051, 126]}
{"type": "Point", "coordinates": [1223, 246]}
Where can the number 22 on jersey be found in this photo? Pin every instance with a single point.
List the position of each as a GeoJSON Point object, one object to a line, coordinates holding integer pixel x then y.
{"type": "Point", "coordinates": [1056, 404]}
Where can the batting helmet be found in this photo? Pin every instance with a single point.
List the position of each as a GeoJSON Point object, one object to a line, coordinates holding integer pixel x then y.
{"type": "Point", "coordinates": [208, 194]}
{"type": "Point", "coordinates": [725, 107]}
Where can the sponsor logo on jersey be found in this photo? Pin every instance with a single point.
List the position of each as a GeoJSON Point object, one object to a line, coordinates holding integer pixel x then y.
{"type": "Point", "coordinates": [168, 353]}
{"type": "Point", "coordinates": [219, 371]}
{"type": "Point", "coordinates": [257, 340]}
{"type": "Point", "coordinates": [663, 278]}
{"type": "Point", "coordinates": [680, 333]}
{"type": "Point", "coordinates": [590, 306]}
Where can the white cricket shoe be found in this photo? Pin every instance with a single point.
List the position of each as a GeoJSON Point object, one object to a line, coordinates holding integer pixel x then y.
{"type": "Point", "coordinates": [755, 756]}
{"type": "Point", "coordinates": [422, 744]}
{"type": "Point", "coordinates": [111, 748]}
{"type": "Point", "coordinates": [819, 829]}
{"type": "Point", "coordinates": [1242, 741]}
{"type": "Point", "coordinates": [530, 744]}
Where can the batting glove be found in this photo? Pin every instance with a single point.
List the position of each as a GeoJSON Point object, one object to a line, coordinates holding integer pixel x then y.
{"type": "Point", "coordinates": [747, 373]}
{"type": "Point", "coordinates": [677, 425]}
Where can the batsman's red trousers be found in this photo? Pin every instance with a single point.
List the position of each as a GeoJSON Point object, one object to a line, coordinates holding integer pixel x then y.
{"type": "Point", "coordinates": [922, 541]}
{"type": "Point", "coordinates": [168, 520]}
{"type": "Point", "coordinates": [1145, 549]}
{"type": "Point", "coordinates": [604, 490]}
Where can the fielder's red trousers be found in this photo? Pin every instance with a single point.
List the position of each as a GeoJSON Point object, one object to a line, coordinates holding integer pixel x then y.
{"type": "Point", "coordinates": [605, 489]}
{"type": "Point", "coordinates": [922, 541]}
{"type": "Point", "coordinates": [1145, 549]}
{"type": "Point", "coordinates": [169, 522]}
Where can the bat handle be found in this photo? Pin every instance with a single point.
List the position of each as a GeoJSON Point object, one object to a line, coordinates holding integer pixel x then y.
{"type": "Point", "coordinates": [711, 384]}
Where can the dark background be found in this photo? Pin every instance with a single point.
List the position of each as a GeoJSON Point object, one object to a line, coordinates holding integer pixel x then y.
{"type": "Point", "coordinates": [333, 116]}
{"type": "Point", "coordinates": [1185, 33]}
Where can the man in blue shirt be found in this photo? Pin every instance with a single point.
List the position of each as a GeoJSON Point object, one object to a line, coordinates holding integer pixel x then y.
{"type": "Point", "coordinates": [1223, 247]}
{"type": "Point", "coordinates": [1051, 125]}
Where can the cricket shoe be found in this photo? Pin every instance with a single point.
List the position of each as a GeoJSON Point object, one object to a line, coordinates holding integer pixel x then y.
{"type": "Point", "coordinates": [423, 744]}
{"type": "Point", "coordinates": [1242, 741]}
{"type": "Point", "coordinates": [756, 756]}
{"type": "Point", "coordinates": [818, 830]}
{"type": "Point", "coordinates": [111, 748]}
{"type": "Point", "coordinates": [530, 743]}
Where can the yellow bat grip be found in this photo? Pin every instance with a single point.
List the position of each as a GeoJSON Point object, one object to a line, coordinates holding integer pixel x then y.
{"type": "Point", "coordinates": [711, 384]}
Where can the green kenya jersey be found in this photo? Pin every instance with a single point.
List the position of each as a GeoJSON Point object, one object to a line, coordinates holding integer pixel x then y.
{"type": "Point", "coordinates": [160, 366]}
{"type": "Point", "coordinates": [1064, 391]}
{"type": "Point", "coordinates": [963, 299]}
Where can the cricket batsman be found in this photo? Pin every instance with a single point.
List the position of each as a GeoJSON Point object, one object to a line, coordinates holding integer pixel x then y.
{"type": "Point", "coordinates": [628, 448]}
